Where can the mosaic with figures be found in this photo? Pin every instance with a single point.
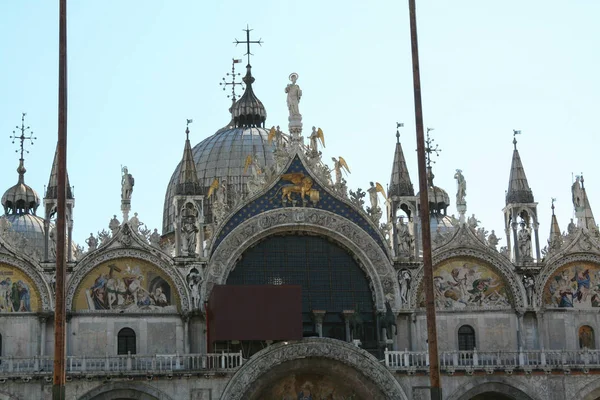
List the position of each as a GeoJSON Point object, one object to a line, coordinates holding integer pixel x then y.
{"type": "Point", "coordinates": [468, 283]}
{"type": "Point", "coordinates": [126, 285]}
{"type": "Point", "coordinates": [296, 188]}
{"type": "Point", "coordinates": [575, 285]}
{"type": "Point", "coordinates": [309, 387]}
{"type": "Point", "coordinates": [17, 291]}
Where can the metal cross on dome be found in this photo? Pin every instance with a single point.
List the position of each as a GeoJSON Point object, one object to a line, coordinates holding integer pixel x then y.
{"type": "Point", "coordinates": [248, 42]}
{"type": "Point", "coordinates": [430, 149]}
{"type": "Point", "coordinates": [22, 138]}
{"type": "Point", "coordinates": [233, 83]}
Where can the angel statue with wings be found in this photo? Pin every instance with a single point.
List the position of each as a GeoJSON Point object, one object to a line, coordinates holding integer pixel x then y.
{"type": "Point", "coordinates": [315, 137]}
{"type": "Point", "coordinates": [373, 190]}
{"type": "Point", "coordinates": [276, 135]}
{"type": "Point", "coordinates": [338, 165]}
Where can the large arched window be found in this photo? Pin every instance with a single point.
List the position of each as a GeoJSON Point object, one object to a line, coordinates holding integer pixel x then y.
{"type": "Point", "coordinates": [466, 338]}
{"type": "Point", "coordinates": [126, 341]}
{"type": "Point", "coordinates": [586, 337]}
{"type": "Point", "coordinates": [330, 277]}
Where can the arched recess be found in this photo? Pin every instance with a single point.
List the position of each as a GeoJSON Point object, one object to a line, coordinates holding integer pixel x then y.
{"type": "Point", "coordinates": [501, 266]}
{"type": "Point", "coordinates": [41, 285]}
{"type": "Point", "coordinates": [264, 369]}
{"type": "Point", "coordinates": [167, 268]}
{"type": "Point", "coordinates": [477, 387]}
{"type": "Point", "coordinates": [569, 265]}
{"type": "Point", "coordinates": [591, 391]}
{"type": "Point", "coordinates": [371, 257]}
{"type": "Point", "coordinates": [123, 390]}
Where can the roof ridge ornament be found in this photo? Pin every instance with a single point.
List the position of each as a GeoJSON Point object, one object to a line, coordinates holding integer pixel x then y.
{"type": "Point", "coordinates": [429, 150]}
{"type": "Point", "coordinates": [232, 83]}
{"type": "Point", "coordinates": [515, 133]}
{"type": "Point", "coordinates": [248, 111]}
{"type": "Point", "coordinates": [22, 138]}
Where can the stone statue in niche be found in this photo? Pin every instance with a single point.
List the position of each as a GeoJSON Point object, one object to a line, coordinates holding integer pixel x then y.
{"type": "Point", "coordinates": [529, 284]}
{"type": "Point", "coordinates": [404, 278]}
{"type": "Point", "coordinates": [189, 229]}
{"type": "Point", "coordinates": [524, 239]}
{"type": "Point", "coordinates": [405, 239]}
{"type": "Point", "coordinates": [194, 281]}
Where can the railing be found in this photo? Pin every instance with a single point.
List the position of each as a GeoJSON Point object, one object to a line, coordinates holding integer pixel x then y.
{"type": "Point", "coordinates": [127, 364]}
{"type": "Point", "coordinates": [489, 360]}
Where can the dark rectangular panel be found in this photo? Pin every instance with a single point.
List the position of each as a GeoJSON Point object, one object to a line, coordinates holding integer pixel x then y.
{"type": "Point", "coordinates": [255, 312]}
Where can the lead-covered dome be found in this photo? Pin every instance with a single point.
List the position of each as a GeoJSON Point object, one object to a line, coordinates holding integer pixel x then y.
{"type": "Point", "coordinates": [20, 204]}
{"type": "Point", "coordinates": [222, 156]}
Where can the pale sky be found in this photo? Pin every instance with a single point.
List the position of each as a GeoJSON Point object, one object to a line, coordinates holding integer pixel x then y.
{"type": "Point", "coordinates": [139, 68]}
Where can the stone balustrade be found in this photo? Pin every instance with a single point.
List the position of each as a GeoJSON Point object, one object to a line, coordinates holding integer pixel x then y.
{"type": "Point", "coordinates": [132, 364]}
{"type": "Point", "coordinates": [525, 360]}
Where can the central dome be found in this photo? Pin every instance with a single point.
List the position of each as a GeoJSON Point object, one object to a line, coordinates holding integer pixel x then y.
{"type": "Point", "coordinates": [222, 156]}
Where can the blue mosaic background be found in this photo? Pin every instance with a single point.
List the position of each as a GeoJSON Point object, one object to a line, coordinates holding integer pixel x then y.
{"type": "Point", "coordinates": [272, 200]}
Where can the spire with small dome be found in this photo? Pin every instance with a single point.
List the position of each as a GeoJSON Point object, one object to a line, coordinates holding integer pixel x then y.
{"type": "Point", "coordinates": [248, 111]}
{"type": "Point", "coordinates": [21, 199]}
{"type": "Point", "coordinates": [438, 197]}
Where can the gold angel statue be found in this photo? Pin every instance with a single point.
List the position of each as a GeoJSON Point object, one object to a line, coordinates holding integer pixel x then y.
{"type": "Point", "coordinates": [315, 137]}
{"type": "Point", "coordinates": [338, 165]}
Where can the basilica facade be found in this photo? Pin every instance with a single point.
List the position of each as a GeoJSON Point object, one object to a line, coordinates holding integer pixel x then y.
{"type": "Point", "coordinates": [255, 220]}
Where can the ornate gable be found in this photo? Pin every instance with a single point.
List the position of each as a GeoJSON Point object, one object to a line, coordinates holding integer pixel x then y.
{"type": "Point", "coordinates": [298, 187]}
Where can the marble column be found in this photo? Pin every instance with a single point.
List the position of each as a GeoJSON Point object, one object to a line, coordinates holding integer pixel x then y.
{"type": "Point", "coordinates": [318, 316]}
{"type": "Point", "coordinates": [347, 315]}
{"type": "Point", "coordinates": [186, 334]}
{"type": "Point", "coordinates": [42, 335]}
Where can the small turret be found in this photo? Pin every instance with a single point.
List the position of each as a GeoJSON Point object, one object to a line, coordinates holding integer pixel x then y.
{"type": "Point", "coordinates": [402, 197]}
{"type": "Point", "coordinates": [50, 207]}
{"type": "Point", "coordinates": [520, 212]}
{"type": "Point", "coordinates": [189, 206]}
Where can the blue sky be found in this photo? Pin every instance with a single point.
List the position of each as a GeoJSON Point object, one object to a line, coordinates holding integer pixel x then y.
{"type": "Point", "coordinates": [138, 69]}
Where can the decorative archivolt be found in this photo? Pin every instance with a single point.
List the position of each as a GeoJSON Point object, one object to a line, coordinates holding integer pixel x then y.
{"type": "Point", "coordinates": [465, 245]}
{"type": "Point", "coordinates": [35, 274]}
{"type": "Point", "coordinates": [332, 349]}
{"type": "Point", "coordinates": [582, 248]}
{"type": "Point", "coordinates": [127, 245]}
{"type": "Point", "coordinates": [371, 257]}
